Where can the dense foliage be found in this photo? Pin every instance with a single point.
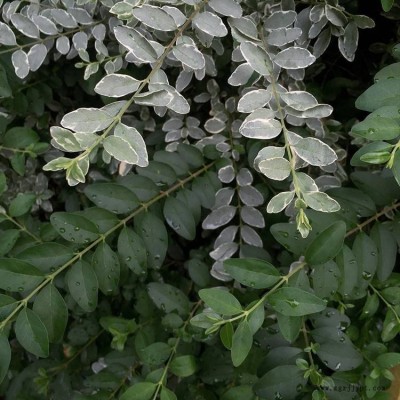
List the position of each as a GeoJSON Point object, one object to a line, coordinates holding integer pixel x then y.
{"type": "Point", "coordinates": [198, 199]}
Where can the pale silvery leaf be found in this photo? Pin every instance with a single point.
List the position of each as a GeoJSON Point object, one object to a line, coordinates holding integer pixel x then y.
{"type": "Point", "coordinates": [219, 217]}
{"type": "Point", "coordinates": [63, 18]}
{"type": "Point", "coordinates": [304, 23]}
{"type": "Point", "coordinates": [279, 202]}
{"type": "Point", "coordinates": [36, 55]}
{"type": "Point", "coordinates": [90, 70]}
{"type": "Point", "coordinates": [81, 16]}
{"type": "Point", "coordinates": [135, 140]}
{"type": "Point", "coordinates": [63, 45]}
{"type": "Point", "coordinates": [305, 182]}
{"type": "Point", "coordinates": [267, 153]}
{"type": "Point", "coordinates": [25, 25]}
{"type": "Point", "coordinates": [117, 85]}
{"type": "Point", "coordinates": [80, 40]}
{"type": "Point", "coordinates": [157, 98]}
{"type": "Point", "coordinates": [214, 125]}
{"type": "Point", "coordinates": [20, 63]}
{"type": "Point", "coordinates": [154, 17]}
{"type": "Point", "coordinates": [122, 9]}
{"type": "Point", "coordinates": [120, 149]}
{"type": "Point", "coordinates": [280, 19]}
{"type": "Point", "coordinates": [294, 58]}
{"type": "Point", "coordinates": [315, 152]}
{"type": "Point", "coordinates": [224, 251]}
{"type": "Point", "coordinates": [260, 125]}
{"type": "Point", "coordinates": [229, 8]}
{"type": "Point", "coordinates": [245, 27]}
{"type": "Point", "coordinates": [320, 201]}
{"type": "Point", "coordinates": [176, 14]}
{"type": "Point", "coordinates": [322, 43]}
{"type": "Point", "coordinates": [177, 103]}
{"type": "Point", "coordinates": [241, 75]}
{"type": "Point", "coordinates": [257, 57]}
{"type": "Point", "coordinates": [76, 171]}
{"type": "Point", "coordinates": [250, 196]}
{"type": "Point", "coordinates": [299, 100]}
{"type": "Point", "coordinates": [226, 174]}
{"type": "Point", "coordinates": [99, 32]}
{"type": "Point", "coordinates": [45, 25]}
{"type": "Point", "coordinates": [87, 120]}
{"type": "Point", "coordinates": [183, 80]}
{"type": "Point", "coordinates": [335, 16]}
{"type": "Point", "coordinates": [58, 164]}
{"type": "Point", "coordinates": [7, 36]}
{"type": "Point", "coordinates": [317, 12]}
{"type": "Point", "coordinates": [280, 37]}
{"type": "Point", "coordinates": [316, 29]}
{"type": "Point", "coordinates": [189, 55]}
{"type": "Point", "coordinates": [349, 41]}
{"type": "Point", "coordinates": [252, 217]}
{"type": "Point", "coordinates": [227, 235]}
{"type": "Point", "coordinates": [277, 168]}
{"type": "Point", "coordinates": [114, 108]}
{"type": "Point", "coordinates": [244, 177]}
{"type": "Point", "coordinates": [253, 100]}
{"type": "Point", "coordinates": [250, 236]}
{"type": "Point", "coordinates": [86, 140]}
{"type": "Point", "coordinates": [223, 197]}
{"type": "Point", "coordinates": [318, 111]}
{"type": "Point", "coordinates": [210, 24]}
{"type": "Point", "coordinates": [136, 43]}
{"type": "Point", "coordinates": [64, 139]}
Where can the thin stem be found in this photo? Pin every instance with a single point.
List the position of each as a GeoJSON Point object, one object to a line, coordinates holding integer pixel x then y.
{"type": "Point", "coordinates": [375, 217]}
{"type": "Point", "coordinates": [388, 305]}
{"type": "Point", "coordinates": [307, 342]}
{"type": "Point", "coordinates": [22, 228]}
{"type": "Point", "coordinates": [49, 278]}
{"type": "Point", "coordinates": [29, 152]}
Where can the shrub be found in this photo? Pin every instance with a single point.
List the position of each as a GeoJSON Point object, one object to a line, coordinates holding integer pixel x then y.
{"type": "Point", "coordinates": [229, 226]}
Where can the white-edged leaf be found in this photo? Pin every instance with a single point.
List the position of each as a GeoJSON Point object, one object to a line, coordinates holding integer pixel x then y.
{"type": "Point", "coordinates": [257, 57]}
{"type": "Point", "coordinates": [158, 98]}
{"type": "Point", "coordinates": [135, 140]}
{"type": "Point", "coordinates": [120, 149]}
{"type": "Point", "coordinates": [277, 168]}
{"type": "Point", "coordinates": [189, 55]}
{"type": "Point", "coordinates": [25, 25]}
{"type": "Point", "coordinates": [299, 100]}
{"type": "Point", "coordinates": [315, 152]}
{"type": "Point", "coordinates": [154, 17]}
{"type": "Point", "coordinates": [210, 23]}
{"type": "Point", "coordinates": [45, 25]}
{"type": "Point", "coordinates": [280, 19]}
{"type": "Point", "coordinates": [36, 56]}
{"type": "Point", "coordinates": [260, 124]}
{"type": "Point", "coordinates": [20, 63]}
{"type": "Point", "coordinates": [294, 58]}
{"type": "Point", "coordinates": [268, 152]}
{"type": "Point", "coordinates": [253, 100]}
{"type": "Point", "coordinates": [64, 139]}
{"type": "Point", "coordinates": [136, 43]}
{"type": "Point", "coordinates": [63, 18]}
{"type": "Point", "coordinates": [86, 120]}
{"type": "Point", "coordinates": [229, 8]}
{"type": "Point", "coordinates": [7, 36]}
{"type": "Point", "coordinates": [279, 202]}
{"type": "Point", "coordinates": [320, 201]}
{"type": "Point", "coordinates": [282, 36]}
{"type": "Point", "coordinates": [117, 85]}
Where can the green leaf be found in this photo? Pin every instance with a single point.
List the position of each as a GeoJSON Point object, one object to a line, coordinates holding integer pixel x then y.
{"type": "Point", "coordinates": [155, 354]}
{"type": "Point", "coordinates": [21, 204]}
{"type": "Point", "coordinates": [327, 245]}
{"type": "Point", "coordinates": [139, 391]}
{"type": "Point", "coordinates": [339, 356]}
{"type": "Point", "coordinates": [283, 380]}
{"type": "Point", "coordinates": [257, 274]}
{"type": "Point", "coordinates": [179, 218]}
{"type": "Point", "coordinates": [377, 128]}
{"type": "Point", "coordinates": [388, 360]}
{"type": "Point", "coordinates": [83, 285]}
{"type": "Point", "coordinates": [31, 333]}
{"type": "Point", "coordinates": [103, 219]}
{"type": "Point", "coordinates": [155, 237]}
{"type": "Point", "coordinates": [289, 326]}
{"type": "Point", "coordinates": [256, 318]}
{"type": "Point", "coordinates": [221, 301]}
{"type": "Point", "coordinates": [167, 394]}
{"type": "Point", "coordinates": [132, 251]}
{"type": "Point", "coordinates": [325, 279]}
{"type": "Point", "coordinates": [242, 342]}
{"type": "Point", "coordinates": [106, 267]}
{"type": "Point", "coordinates": [347, 263]}
{"type": "Point", "coordinates": [226, 335]}
{"type": "Point", "coordinates": [7, 306]}
{"type": "Point", "coordinates": [20, 137]}
{"type": "Point", "coordinates": [378, 157]}
{"type": "Point", "coordinates": [50, 307]}
{"type": "Point", "coordinates": [74, 228]}
{"type": "Point", "coordinates": [387, 5]}
{"type": "Point", "coordinates": [5, 356]}
{"type": "Point", "coordinates": [8, 240]}
{"type": "Point", "coordinates": [46, 257]}
{"type": "Point", "coordinates": [366, 254]}
{"type": "Point", "coordinates": [168, 298]}
{"type": "Point", "coordinates": [18, 163]}
{"type": "Point", "coordinates": [392, 295]}
{"type": "Point", "coordinates": [18, 276]}
{"type": "Point", "coordinates": [295, 302]}
{"type": "Point", "coordinates": [183, 366]}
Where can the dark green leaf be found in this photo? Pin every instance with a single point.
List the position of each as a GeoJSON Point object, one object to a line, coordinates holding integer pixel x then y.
{"type": "Point", "coordinates": [184, 366]}
{"type": "Point", "coordinates": [50, 306]}
{"type": "Point", "coordinates": [179, 218]}
{"type": "Point", "coordinates": [226, 335]}
{"type": "Point", "coordinates": [113, 197]}
{"type": "Point", "coordinates": [339, 356]}
{"type": "Point", "coordinates": [7, 305]}
{"type": "Point", "coordinates": [243, 392]}
{"type": "Point", "coordinates": [155, 354]}
{"type": "Point", "coordinates": [294, 302]}
{"type": "Point", "coordinates": [8, 240]}
{"type": "Point", "coordinates": [241, 343]}
{"type": "Point", "coordinates": [18, 276]}
{"type": "Point", "coordinates": [347, 263]}
{"type": "Point", "coordinates": [388, 360]}
{"type": "Point", "coordinates": [221, 301]}
{"type": "Point", "coordinates": [327, 244]}
{"type": "Point", "coordinates": [31, 333]}
{"type": "Point", "coordinates": [257, 274]}
{"type": "Point", "coordinates": [168, 298]}
{"type": "Point", "coordinates": [132, 251]}
{"type": "Point", "coordinates": [83, 286]}
{"type": "Point", "coordinates": [21, 204]}
{"type": "Point", "coordinates": [5, 356]}
{"type": "Point", "coordinates": [74, 228]}
{"type": "Point", "coordinates": [167, 394]}
{"type": "Point", "coordinates": [139, 391]}
{"type": "Point", "coordinates": [289, 326]}
{"type": "Point", "coordinates": [20, 137]}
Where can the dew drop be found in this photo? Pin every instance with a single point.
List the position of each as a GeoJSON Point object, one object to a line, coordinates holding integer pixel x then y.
{"type": "Point", "coordinates": [337, 366]}
{"type": "Point", "coordinates": [62, 230]}
{"type": "Point", "coordinates": [366, 275]}
{"type": "Point", "coordinates": [299, 387]}
{"type": "Point", "coordinates": [373, 253]}
{"type": "Point", "coordinates": [371, 131]}
{"type": "Point", "coordinates": [277, 396]}
{"type": "Point", "coordinates": [128, 258]}
{"type": "Point", "coordinates": [77, 283]}
{"type": "Point", "coordinates": [20, 289]}
{"type": "Point", "coordinates": [77, 228]}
